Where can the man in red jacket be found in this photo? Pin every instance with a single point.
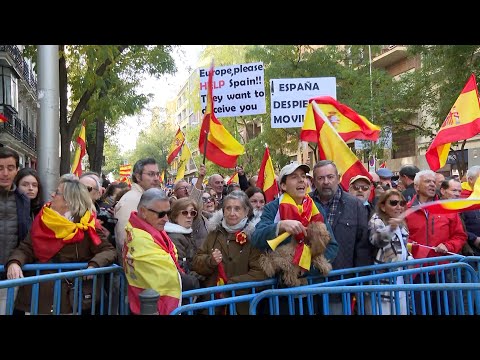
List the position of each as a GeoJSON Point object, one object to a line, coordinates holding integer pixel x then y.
{"type": "Point", "coordinates": [444, 233]}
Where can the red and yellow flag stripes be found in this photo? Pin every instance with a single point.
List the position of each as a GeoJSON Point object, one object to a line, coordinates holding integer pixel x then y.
{"type": "Point", "coordinates": [80, 152]}
{"type": "Point", "coordinates": [332, 147]}
{"type": "Point", "coordinates": [176, 146]}
{"type": "Point", "coordinates": [125, 170]}
{"type": "Point", "coordinates": [346, 122]}
{"type": "Point", "coordinates": [51, 232]}
{"type": "Point", "coordinates": [305, 213]}
{"type": "Point", "coordinates": [234, 179]}
{"type": "Point", "coordinates": [462, 122]}
{"type": "Point", "coordinates": [266, 177]}
{"type": "Point", "coordinates": [220, 147]}
{"type": "Point", "coordinates": [3, 118]}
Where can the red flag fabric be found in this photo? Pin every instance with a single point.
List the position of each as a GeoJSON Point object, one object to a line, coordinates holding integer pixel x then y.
{"type": "Point", "coordinates": [462, 122]}
{"type": "Point", "coordinates": [3, 118]}
{"type": "Point", "coordinates": [266, 178]}
{"type": "Point", "coordinates": [80, 152]}
{"type": "Point", "coordinates": [176, 146]}
{"type": "Point", "coordinates": [220, 146]}
{"type": "Point", "coordinates": [233, 179]}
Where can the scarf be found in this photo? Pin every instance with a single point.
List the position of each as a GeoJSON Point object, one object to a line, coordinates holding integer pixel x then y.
{"type": "Point", "coordinates": [159, 237]}
{"type": "Point", "coordinates": [51, 232]}
{"type": "Point", "coordinates": [234, 228]}
{"type": "Point", "coordinates": [306, 213]}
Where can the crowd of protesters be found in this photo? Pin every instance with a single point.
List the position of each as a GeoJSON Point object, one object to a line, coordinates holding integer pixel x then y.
{"type": "Point", "coordinates": [211, 233]}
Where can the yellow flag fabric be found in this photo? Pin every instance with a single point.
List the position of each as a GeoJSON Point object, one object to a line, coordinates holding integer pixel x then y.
{"type": "Point", "coordinates": [80, 152]}
{"type": "Point", "coordinates": [176, 146]}
{"type": "Point", "coordinates": [182, 165]}
{"type": "Point", "coordinates": [462, 122]}
{"type": "Point", "coordinates": [266, 177]}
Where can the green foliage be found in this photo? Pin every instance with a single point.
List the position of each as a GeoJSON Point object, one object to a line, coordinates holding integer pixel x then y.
{"type": "Point", "coordinates": [113, 158]}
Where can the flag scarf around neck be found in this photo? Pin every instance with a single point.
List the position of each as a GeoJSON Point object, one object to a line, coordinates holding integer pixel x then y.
{"type": "Point", "coordinates": [462, 122]}
{"type": "Point", "coordinates": [266, 178]}
{"type": "Point", "coordinates": [346, 122]}
{"type": "Point", "coordinates": [80, 152]}
{"type": "Point", "coordinates": [51, 232]}
{"type": "Point", "coordinates": [176, 146]}
{"type": "Point", "coordinates": [182, 164]}
{"type": "Point", "coordinates": [234, 179]}
{"type": "Point", "coordinates": [332, 147]}
{"type": "Point", "coordinates": [450, 206]}
{"type": "Point", "coordinates": [305, 213]}
{"type": "Point", "coordinates": [150, 262]}
{"type": "Point", "coordinates": [221, 147]}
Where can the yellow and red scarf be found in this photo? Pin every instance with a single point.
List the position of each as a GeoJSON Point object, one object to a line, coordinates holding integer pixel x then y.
{"type": "Point", "coordinates": [305, 213]}
{"type": "Point", "coordinates": [51, 232]}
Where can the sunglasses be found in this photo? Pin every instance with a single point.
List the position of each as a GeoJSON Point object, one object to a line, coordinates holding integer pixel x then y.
{"type": "Point", "coordinates": [91, 188]}
{"type": "Point", "coordinates": [207, 199]}
{"type": "Point", "coordinates": [192, 213]}
{"type": "Point", "coordinates": [358, 187]}
{"type": "Point", "coordinates": [161, 214]}
{"type": "Point", "coordinates": [396, 202]}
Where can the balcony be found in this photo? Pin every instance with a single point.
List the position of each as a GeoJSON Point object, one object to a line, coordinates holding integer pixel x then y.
{"type": "Point", "coordinates": [19, 65]}
{"type": "Point", "coordinates": [17, 128]}
{"type": "Point", "coordinates": [390, 55]}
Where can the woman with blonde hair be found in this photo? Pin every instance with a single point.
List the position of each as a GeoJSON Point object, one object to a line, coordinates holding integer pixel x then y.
{"type": "Point", "coordinates": [389, 235]}
{"type": "Point", "coordinates": [63, 232]}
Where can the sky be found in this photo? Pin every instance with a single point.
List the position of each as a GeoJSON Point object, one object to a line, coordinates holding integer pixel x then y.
{"type": "Point", "coordinates": [164, 89]}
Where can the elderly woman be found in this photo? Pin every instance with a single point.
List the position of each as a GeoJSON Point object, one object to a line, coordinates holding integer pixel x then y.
{"type": "Point", "coordinates": [389, 235]}
{"type": "Point", "coordinates": [227, 255]}
{"type": "Point", "coordinates": [150, 258]}
{"type": "Point", "coordinates": [28, 181]}
{"type": "Point", "coordinates": [64, 231]}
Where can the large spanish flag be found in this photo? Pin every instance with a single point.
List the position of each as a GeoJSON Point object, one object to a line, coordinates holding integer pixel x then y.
{"type": "Point", "coordinates": [176, 146]}
{"type": "Point", "coordinates": [215, 142]}
{"type": "Point", "coordinates": [462, 122]}
{"type": "Point", "coordinates": [332, 147]}
{"type": "Point", "coordinates": [150, 262]}
{"type": "Point", "coordinates": [182, 165]}
{"type": "Point", "coordinates": [80, 152]}
{"type": "Point", "coordinates": [347, 122]}
{"type": "Point", "coordinates": [266, 178]}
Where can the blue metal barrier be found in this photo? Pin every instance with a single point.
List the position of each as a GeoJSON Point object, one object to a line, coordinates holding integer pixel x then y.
{"type": "Point", "coordinates": [76, 280]}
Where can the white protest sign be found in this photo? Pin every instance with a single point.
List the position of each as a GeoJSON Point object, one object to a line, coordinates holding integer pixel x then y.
{"type": "Point", "coordinates": [289, 98]}
{"type": "Point", "coordinates": [237, 90]}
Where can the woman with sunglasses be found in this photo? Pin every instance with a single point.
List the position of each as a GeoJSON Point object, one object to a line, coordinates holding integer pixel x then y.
{"type": "Point", "coordinates": [179, 229]}
{"type": "Point", "coordinates": [389, 235]}
{"type": "Point", "coordinates": [227, 255]}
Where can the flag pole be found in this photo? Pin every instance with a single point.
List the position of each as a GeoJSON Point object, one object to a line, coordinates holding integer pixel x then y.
{"type": "Point", "coordinates": [205, 146]}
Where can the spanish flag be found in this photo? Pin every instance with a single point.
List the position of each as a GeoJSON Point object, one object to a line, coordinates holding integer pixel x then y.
{"type": "Point", "coordinates": [176, 146]}
{"type": "Point", "coordinates": [3, 118]}
{"type": "Point", "coordinates": [347, 122]}
{"type": "Point", "coordinates": [182, 165]}
{"type": "Point", "coordinates": [125, 170]}
{"type": "Point", "coordinates": [80, 152]}
{"type": "Point", "coordinates": [462, 122]}
{"type": "Point", "coordinates": [266, 178]}
{"type": "Point", "coordinates": [215, 142]}
{"type": "Point", "coordinates": [332, 147]}
{"type": "Point", "coordinates": [234, 179]}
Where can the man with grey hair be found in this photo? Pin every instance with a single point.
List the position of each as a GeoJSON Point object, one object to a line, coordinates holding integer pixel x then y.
{"type": "Point", "coordinates": [472, 175]}
{"type": "Point", "coordinates": [215, 181]}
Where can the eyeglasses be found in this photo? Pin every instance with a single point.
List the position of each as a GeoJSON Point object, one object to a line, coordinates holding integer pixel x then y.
{"type": "Point", "coordinates": [206, 200]}
{"type": "Point", "coordinates": [90, 188]}
{"type": "Point", "coordinates": [57, 193]}
{"type": "Point", "coordinates": [152, 174]}
{"type": "Point", "coordinates": [192, 213]}
{"type": "Point", "coordinates": [181, 188]}
{"type": "Point", "coordinates": [396, 202]}
{"type": "Point", "coordinates": [161, 214]}
{"type": "Point", "coordinates": [362, 187]}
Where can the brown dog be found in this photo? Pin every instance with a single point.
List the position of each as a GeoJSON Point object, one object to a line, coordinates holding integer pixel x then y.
{"type": "Point", "coordinates": [281, 258]}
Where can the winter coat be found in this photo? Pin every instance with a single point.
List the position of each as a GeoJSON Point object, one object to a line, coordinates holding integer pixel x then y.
{"type": "Point", "coordinates": [85, 251]}
{"type": "Point", "coordinates": [241, 262]}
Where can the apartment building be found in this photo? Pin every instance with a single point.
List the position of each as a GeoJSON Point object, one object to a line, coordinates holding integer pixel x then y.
{"type": "Point", "coordinates": [18, 103]}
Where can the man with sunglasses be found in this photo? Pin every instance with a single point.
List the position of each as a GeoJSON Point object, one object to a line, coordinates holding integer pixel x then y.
{"type": "Point", "coordinates": [361, 187]}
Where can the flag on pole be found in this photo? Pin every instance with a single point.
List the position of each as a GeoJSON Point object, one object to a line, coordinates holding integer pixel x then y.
{"type": "Point", "coordinates": [182, 165]}
{"type": "Point", "coordinates": [234, 179]}
{"type": "Point", "coordinates": [346, 122]}
{"type": "Point", "coordinates": [125, 170]}
{"type": "Point", "coordinates": [176, 146]}
{"type": "Point", "coordinates": [162, 177]}
{"type": "Point", "coordinates": [332, 147]}
{"type": "Point", "coordinates": [3, 118]}
{"type": "Point", "coordinates": [266, 177]}
{"type": "Point", "coordinates": [80, 152]}
{"type": "Point", "coordinates": [462, 122]}
{"type": "Point", "coordinates": [215, 142]}
{"type": "Point", "coordinates": [383, 165]}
